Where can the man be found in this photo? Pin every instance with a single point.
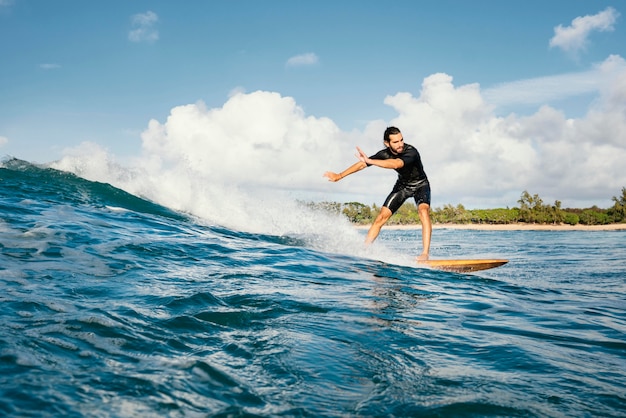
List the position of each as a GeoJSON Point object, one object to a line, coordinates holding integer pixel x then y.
{"type": "Point", "coordinates": [412, 182]}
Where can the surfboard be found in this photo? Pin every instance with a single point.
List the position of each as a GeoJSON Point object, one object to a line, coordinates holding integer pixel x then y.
{"type": "Point", "coordinates": [463, 266]}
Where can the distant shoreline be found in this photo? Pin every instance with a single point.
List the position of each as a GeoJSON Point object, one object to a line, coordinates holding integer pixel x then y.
{"type": "Point", "coordinates": [512, 227]}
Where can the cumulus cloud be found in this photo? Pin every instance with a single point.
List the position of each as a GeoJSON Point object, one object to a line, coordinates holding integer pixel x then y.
{"type": "Point", "coordinates": [255, 140]}
{"type": "Point", "coordinates": [302, 60]}
{"type": "Point", "coordinates": [575, 37]}
{"type": "Point", "coordinates": [143, 27]}
{"type": "Point", "coordinates": [473, 156]}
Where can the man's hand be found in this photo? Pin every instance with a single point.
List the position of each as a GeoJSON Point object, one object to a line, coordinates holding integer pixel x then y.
{"type": "Point", "coordinates": [332, 176]}
{"type": "Point", "coordinates": [360, 165]}
{"type": "Point", "coordinates": [361, 155]}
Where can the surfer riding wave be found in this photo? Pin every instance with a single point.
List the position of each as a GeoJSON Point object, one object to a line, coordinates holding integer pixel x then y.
{"type": "Point", "coordinates": [412, 182]}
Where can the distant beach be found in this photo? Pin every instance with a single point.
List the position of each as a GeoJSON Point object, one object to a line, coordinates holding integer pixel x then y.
{"type": "Point", "coordinates": [513, 227]}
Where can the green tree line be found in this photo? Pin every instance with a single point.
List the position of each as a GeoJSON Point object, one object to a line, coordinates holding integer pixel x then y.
{"type": "Point", "coordinates": [531, 209]}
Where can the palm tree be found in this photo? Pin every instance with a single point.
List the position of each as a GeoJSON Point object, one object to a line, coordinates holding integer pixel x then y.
{"type": "Point", "coordinates": [619, 208]}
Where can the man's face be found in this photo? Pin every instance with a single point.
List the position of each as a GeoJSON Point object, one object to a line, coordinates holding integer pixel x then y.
{"type": "Point", "coordinates": [396, 143]}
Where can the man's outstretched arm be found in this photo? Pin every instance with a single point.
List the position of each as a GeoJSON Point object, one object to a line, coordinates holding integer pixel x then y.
{"type": "Point", "coordinates": [358, 166]}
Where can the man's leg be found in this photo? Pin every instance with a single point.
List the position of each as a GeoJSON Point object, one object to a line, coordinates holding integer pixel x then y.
{"type": "Point", "coordinates": [380, 220]}
{"type": "Point", "coordinates": [427, 229]}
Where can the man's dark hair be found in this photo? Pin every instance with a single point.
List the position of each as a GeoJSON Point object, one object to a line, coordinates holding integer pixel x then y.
{"type": "Point", "coordinates": [392, 130]}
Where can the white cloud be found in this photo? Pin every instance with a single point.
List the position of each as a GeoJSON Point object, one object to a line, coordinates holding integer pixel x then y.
{"type": "Point", "coordinates": [256, 139]}
{"type": "Point", "coordinates": [143, 27]}
{"type": "Point", "coordinates": [302, 60]}
{"type": "Point", "coordinates": [49, 66]}
{"type": "Point", "coordinates": [3, 140]}
{"type": "Point", "coordinates": [542, 90]}
{"type": "Point", "coordinates": [575, 37]}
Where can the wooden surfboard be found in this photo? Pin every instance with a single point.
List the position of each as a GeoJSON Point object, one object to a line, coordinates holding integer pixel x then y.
{"type": "Point", "coordinates": [463, 266]}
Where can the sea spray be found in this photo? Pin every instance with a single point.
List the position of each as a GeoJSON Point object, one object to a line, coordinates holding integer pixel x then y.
{"type": "Point", "coordinates": [215, 201]}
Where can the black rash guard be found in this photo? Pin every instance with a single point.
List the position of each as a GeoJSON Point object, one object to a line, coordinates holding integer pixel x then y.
{"type": "Point", "coordinates": [412, 180]}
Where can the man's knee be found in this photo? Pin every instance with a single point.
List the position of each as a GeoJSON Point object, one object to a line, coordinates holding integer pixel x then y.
{"type": "Point", "coordinates": [384, 215]}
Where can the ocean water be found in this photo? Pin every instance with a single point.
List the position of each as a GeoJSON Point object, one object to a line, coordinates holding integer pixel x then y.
{"type": "Point", "coordinates": [112, 305]}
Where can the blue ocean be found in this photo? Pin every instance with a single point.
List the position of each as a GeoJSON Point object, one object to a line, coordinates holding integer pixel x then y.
{"type": "Point", "coordinates": [114, 305]}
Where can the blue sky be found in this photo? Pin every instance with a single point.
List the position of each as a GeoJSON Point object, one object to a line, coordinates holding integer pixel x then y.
{"type": "Point", "coordinates": [75, 72]}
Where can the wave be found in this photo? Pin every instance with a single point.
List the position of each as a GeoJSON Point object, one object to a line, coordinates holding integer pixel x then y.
{"type": "Point", "coordinates": [265, 214]}
{"type": "Point", "coordinates": [30, 181]}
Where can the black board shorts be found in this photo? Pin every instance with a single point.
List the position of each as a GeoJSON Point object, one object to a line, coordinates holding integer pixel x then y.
{"type": "Point", "coordinates": [400, 194]}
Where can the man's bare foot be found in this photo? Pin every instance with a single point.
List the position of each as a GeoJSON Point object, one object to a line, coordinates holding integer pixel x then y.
{"type": "Point", "coordinates": [422, 257]}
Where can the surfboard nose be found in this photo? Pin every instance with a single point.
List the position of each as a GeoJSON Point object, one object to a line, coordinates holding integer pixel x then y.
{"type": "Point", "coordinates": [463, 266]}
